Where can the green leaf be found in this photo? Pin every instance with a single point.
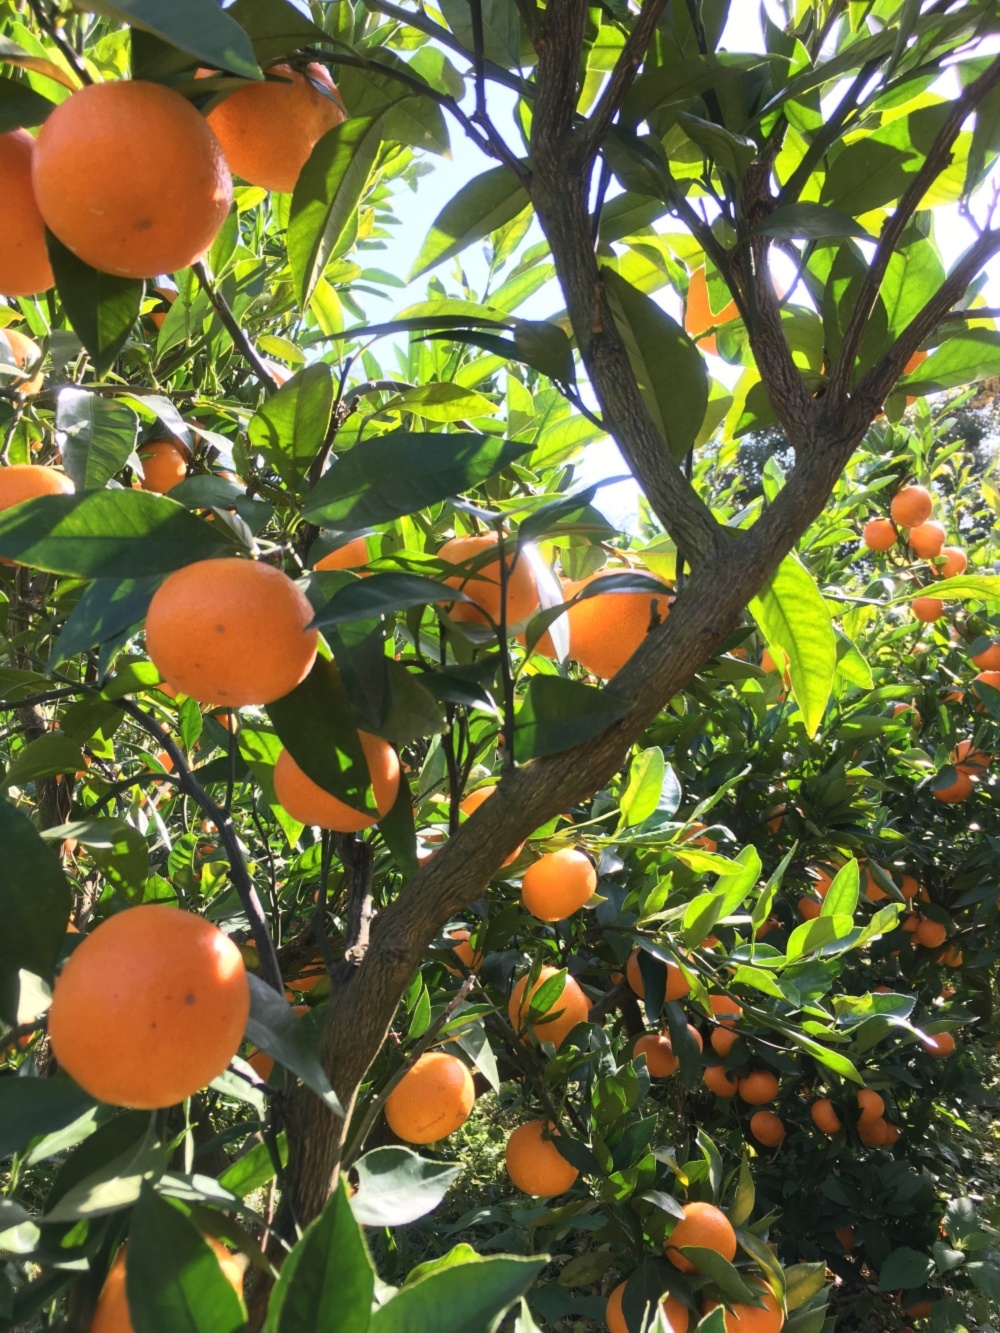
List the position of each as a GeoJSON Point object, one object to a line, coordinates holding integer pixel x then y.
{"type": "Point", "coordinates": [743, 1200]}
{"type": "Point", "coordinates": [173, 1278]}
{"type": "Point", "coordinates": [802, 1282]}
{"type": "Point", "coordinates": [382, 594]}
{"type": "Point", "coordinates": [732, 153]}
{"type": "Point", "coordinates": [905, 1267]}
{"type": "Point", "coordinates": [198, 27]}
{"type": "Point", "coordinates": [794, 618]}
{"type": "Point", "coordinates": [100, 307]}
{"type": "Point", "coordinates": [466, 1298]}
{"type": "Point", "coordinates": [546, 347]}
{"type": "Point", "coordinates": [501, 29]}
{"type": "Point", "coordinates": [315, 724]}
{"type": "Point", "coordinates": [96, 436]}
{"type": "Point", "coordinates": [43, 758]}
{"type": "Point", "coordinates": [32, 1107]}
{"type": "Point", "coordinates": [108, 1170]}
{"type": "Point", "coordinates": [105, 609]}
{"type": "Point", "coordinates": [117, 847]}
{"type": "Point", "coordinates": [481, 206]}
{"type": "Point", "coordinates": [441, 401]}
{"type": "Point", "coordinates": [962, 358]}
{"type": "Point", "coordinates": [720, 1271]}
{"type": "Point", "coordinates": [842, 896]}
{"type": "Point", "coordinates": [668, 367]}
{"type": "Point", "coordinates": [291, 426]}
{"type": "Point", "coordinates": [327, 196]}
{"type": "Point", "coordinates": [962, 588]}
{"type": "Point", "coordinates": [102, 533]}
{"type": "Point", "coordinates": [275, 28]}
{"type": "Point", "coordinates": [274, 1026]}
{"type": "Point", "coordinates": [20, 106]}
{"type": "Point", "coordinates": [866, 175]}
{"type": "Point", "coordinates": [327, 1282]}
{"type": "Point", "coordinates": [557, 714]}
{"type": "Point", "coordinates": [645, 782]}
{"type": "Point", "coordinates": [254, 1169]}
{"type": "Point", "coordinates": [813, 222]}
{"type": "Point", "coordinates": [814, 936]}
{"type": "Point", "coordinates": [35, 897]}
{"type": "Point", "coordinates": [385, 478]}
{"type": "Point", "coordinates": [396, 1186]}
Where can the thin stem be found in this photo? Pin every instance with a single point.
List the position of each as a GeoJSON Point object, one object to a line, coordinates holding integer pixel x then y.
{"type": "Point", "coordinates": [57, 38]}
{"type": "Point", "coordinates": [505, 669]}
{"type": "Point", "coordinates": [623, 75]}
{"type": "Point", "coordinates": [479, 58]}
{"type": "Point", "coordinates": [232, 326]}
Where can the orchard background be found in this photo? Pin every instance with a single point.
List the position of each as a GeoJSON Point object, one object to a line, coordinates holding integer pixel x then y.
{"type": "Point", "coordinates": [500, 680]}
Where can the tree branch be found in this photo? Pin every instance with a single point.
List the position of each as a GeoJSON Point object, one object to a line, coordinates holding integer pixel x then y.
{"type": "Point", "coordinates": [232, 326]}
{"type": "Point", "coordinates": [622, 76]}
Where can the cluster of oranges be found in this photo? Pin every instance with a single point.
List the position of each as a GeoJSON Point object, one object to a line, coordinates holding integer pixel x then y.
{"type": "Point", "coordinates": [910, 513]}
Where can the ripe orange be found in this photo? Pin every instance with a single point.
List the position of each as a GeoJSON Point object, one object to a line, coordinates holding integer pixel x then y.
{"type": "Point", "coordinates": [989, 658]}
{"type": "Point", "coordinates": [230, 631]}
{"type": "Point", "coordinates": [674, 1317]}
{"type": "Point", "coordinates": [952, 956]}
{"type": "Point", "coordinates": [874, 1132]}
{"type": "Point", "coordinates": [873, 892]}
{"type": "Point", "coordinates": [931, 934]}
{"type": "Point", "coordinates": [267, 130]}
{"type": "Point", "coordinates": [129, 176]}
{"type": "Point", "coordinates": [911, 506]}
{"type": "Point", "coordinates": [471, 803]}
{"type": "Point", "coordinates": [348, 556]}
{"type": "Point", "coordinates": [955, 792]}
{"type": "Point", "coordinates": [809, 908]}
{"type": "Point", "coordinates": [919, 1310]}
{"type": "Point", "coordinates": [677, 983]}
{"type": "Point", "coordinates": [695, 835]}
{"type": "Point", "coordinates": [927, 609]}
{"type": "Point", "coordinates": [718, 1081]}
{"type": "Point", "coordinates": [699, 316]}
{"type": "Point", "coordinates": [759, 1087]}
{"type": "Point", "coordinates": [892, 1133]}
{"type": "Point", "coordinates": [164, 464]}
{"type": "Point", "coordinates": [431, 1100]}
{"type": "Point", "coordinates": [482, 584]}
{"type": "Point", "coordinates": [572, 1007]}
{"type": "Point", "coordinates": [463, 951]}
{"type": "Point", "coordinates": [307, 802]}
{"type": "Point", "coordinates": [659, 1052]}
{"type": "Point", "coordinates": [605, 629]}
{"type": "Point", "coordinates": [25, 481]}
{"type": "Point", "coordinates": [166, 290]}
{"type": "Point", "coordinates": [558, 884]}
{"type": "Point", "coordinates": [825, 1117]}
{"type": "Point", "coordinates": [723, 1040]}
{"type": "Point", "coordinates": [150, 1007]}
{"type": "Point", "coordinates": [27, 356]}
{"type": "Point", "coordinates": [965, 758]}
{"type": "Point", "coordinates": [846, 1237]}
{"type": "Point", "coordinates": [535, 1164]}
{"type": "Point", "coordinates": [767, 1128]}
{"type": "Point", "coordinates": [927, 539]}
{"type": "Point", "coordinates": [990, 678]}
{"type": "Point", "coordinates": [908, 886]}
{"type": "Point", "coordinates": [955, 562]}
{"type": "Point", "coordinates": [726, 1011]}
{"type": "Point", "coordinates": [870, 1104]}
{"type": "Point", "coordinates": [767, 663]}
{"type": "Point", "coordinates": [24, 258]}
{"type": "Point", "coordinates": [705, 1226]}
{"type": "Point", "coordinates": [938, 1044]}
{"type": "Point", "coordinates": [112, 1312]}
{"type": "Point", "coordinates": [822, 877]}
{"type": "Point", "coordinates": [879, 534]}
{"type": "Point", "coordinates": [742, 1317]}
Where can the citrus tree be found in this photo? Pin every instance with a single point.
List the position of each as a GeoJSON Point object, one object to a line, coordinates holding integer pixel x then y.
{"type": "Point", "coordinates": [369, 794]}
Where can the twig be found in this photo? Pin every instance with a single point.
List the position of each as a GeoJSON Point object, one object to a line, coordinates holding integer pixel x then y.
{"type": "Point", "coordinates": [242, 882]}
{"type": "Point", "coordinates": [505, 672]}
{"type": "Point", "coordinates": [57, 38]}
{"type": "Point", "coordinates": [479, 60]}
{"type": "Point", "coordinates": [623, 75]}
{"type": "Point", "coordinates": [232, 326]}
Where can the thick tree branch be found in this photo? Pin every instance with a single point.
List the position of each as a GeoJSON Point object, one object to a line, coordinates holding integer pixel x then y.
{"type": "Point", "coordinates": [622, 76]}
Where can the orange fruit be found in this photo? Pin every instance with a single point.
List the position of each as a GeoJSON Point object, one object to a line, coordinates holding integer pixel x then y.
{"type": "Point", "coordinates": [938, 1044]}
{"type": "Point", "coordinates": [955, 562]}
{"type": "Point", "coordinates": [259, 1061]}
{"type": "Point", "coordinates": [927, 609]}
{"type": "Point", "coordinates": [919, 1310]}
{"type": "Point", "coordinates": [926, 539]}
{"type": "Point", "coordinates": [742, 1317]}
{"type": "Point", "coordinates": [822, 877]}
{"type": "Point", "coordinates": [955, 792]}
{"type": "Point", "coordinates": [705, 1226]}
{"type": "Point", "coordinates": [908, 886]}
{"type": "Point", "coordinates": [911, 506]}
{"type": "Point", "coordinates": [471, 803]}
{"type": "Point", "coordinates": [482, 583]}
{"type": "Point", "coordinates": [659, 1052]}
{"type": "Point", "coordinates": [677, 983]}
{"type": "Point", "coordinates": [164, 464]}
{"type": "Point", "coordinates": [432, 1099]}
{"type": "Point", "coordinates": [167, 292]}
{"type": "Point", "coordinates": [767, 1128]}
{"type": "Point", "coordinates": [718, 1081]}
{"type": "Point", "coordinates": [267, 130]}
{"type": "Point", "coordinates": [150, 1007]}
{"type": "Point", "coordinates": [307, 802]}
{"type": "Point", "coordinates": [809, 909]}
{"type": "Point", "coordinates": [25, 481]}
{"type": "Point", "coordinates": [825, 1117]}
{"type": "Point", "coordinates": [558, 884]}
{"type": "Point", "coordinates": [695, 836]}
{"type": "Point", "coordinates": [767, 663]}
{"type": "Point", "coordinates": [931, 934]}
{"type": "Point", "coordinates": [726, 1011]}
{"type": "Point", "coordinates": [462, 949]}
{"type": "Point", "coordinates": [916, 360]}
{"type": "Point", "coordinates": [230, 631]}
{"type": "Point", "coordinates": [27, 356]}
{"type": "Point", "coordinates": [873, 892]}
{"type": "Point", "coordinates": [892, 1133]}
{"type": "Point", "coordinates": [846, 1237]}
{"type": "Point", "coordinates": [348, 556]}
{"type": "Point", "coordinates": [991, 678]}
{"type": "Point", "coordinates": [572, 1007]}
{"type": "Point", "coordinates": [674, 1317]}
{"type": "Point", "coordinates": [605, 629]}
{"type": "Point", "coordinates": [723, 1040]}
{"type": "Point", "coordinates": [899, 708]}
{"type": "Point", "coordinates": [535, 1164]}
{"type": "Point", "coordinates": [879, 534]}
{"type": "Point", "coordinates": [699, 316]}
{"type": "Point", "coordinates": [952, 957]}
{"type": "Point", "coordinates": [759, 1087]}
{"type": "Point", "coordinates": [870, 1104]}
{"type": "Point", "coordinates": [874, 1132]}
{"type": "Point", "coordinates": [24, 257]}
{"type": "Point", "coordinates": [112, 1313]}
{"type": "Point", "coordinates": [128, 175]}
{"type": "Point", "coordinates": [965, 758]}
{"type": "Point", "coordinates": [989, 658]}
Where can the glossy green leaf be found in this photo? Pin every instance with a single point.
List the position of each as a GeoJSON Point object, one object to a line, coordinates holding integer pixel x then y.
{"type": "Point", "coordinates": [467, 1298]}
{"type": "Point", "coordinates": [645, 782]}
{"type": "Point", "coordinates": [482, 205]}
{"type": "Point", "coordinates": [35, 897]}
{"type": "Point", "coordinates": [275, 27]}
{"type": "Point", "coordinates": [290, 427]}
{"type": "Point", "coordinates": [101, 307]}
{"type": "Point", "coordinates": [396, 1186]}
{"type": "Point", "coordinates": [557, 714]}
{"type": "Point", "coordinates": [275, 1028]}
{"type": "Point", "coordinates": [198, 27]}
{"type": "Point", "coordinates": [794, 618]}
{"type": "Point", "coordinates": [813, 222]}
{"type": "Point", "coordinates": [105, 609]}
{"type": "Point", "coordinates": [382, 594]}
{"type": "Point", "coordinates": [842, 896]}
{"type": "Point", "coordinates": [96, 436]}
{"type": "Point", "coordinates": [32, 1107]}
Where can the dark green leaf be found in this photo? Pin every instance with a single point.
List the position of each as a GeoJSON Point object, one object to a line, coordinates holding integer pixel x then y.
{"type": "Point", "coordinates": [327, 1282]}
{"type": "Point", "coordinates": [905, 1267]}
{"type": "Point", "coordinates": [396, 474]}
{"type": "Point", "coordinates": [31, 1107]}
{"type": "Point", "coordinates": [501, 30]}
{"type": "Point", "coordinates": [547, 348]}
{"type": "Point", "coordinates": [466, 1298]}
{"type": "Point", "coordinates": [173, 1278]}
{"type": "Point", "coordinates": [814, 222]}
{"type": "Point", "coordinates": [732, 153]}
{"type": "Point", "coordinates": [106, 608]}
{"type": "Point", "coordinates": [198, 27]}
{"type": "Point", "coordinates": [100, 307]}
{"type": "Point", "coordinates": [275, 28]}
{"type": "Point", "coordinates": [481, 206]}
{"type": "Point", "coordinates": [35, 897]}
{"type": "Point", "coordinates": [381, 594]}
{"type": "Point", "coordinates": [396, 1186]}
{"type": "Point", "coordinates": [668, 367]}
{"type": "Point", "coordinates": [274, 1027]}
{"type": "Point", "coordinates": [108, 1169]}
{"type": "Point", "coordinates": [97, 436]}
{"type": "Point", "coordinates": [100, 534]}
{"type": "Point", "coordinates": [20, 106]}
{"type": "Point", "coordinates": [399, 831]}
{"type": "Point", "coordinates": [289, 429]}
{"type": "Point", "coordinates": [557, 714]}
